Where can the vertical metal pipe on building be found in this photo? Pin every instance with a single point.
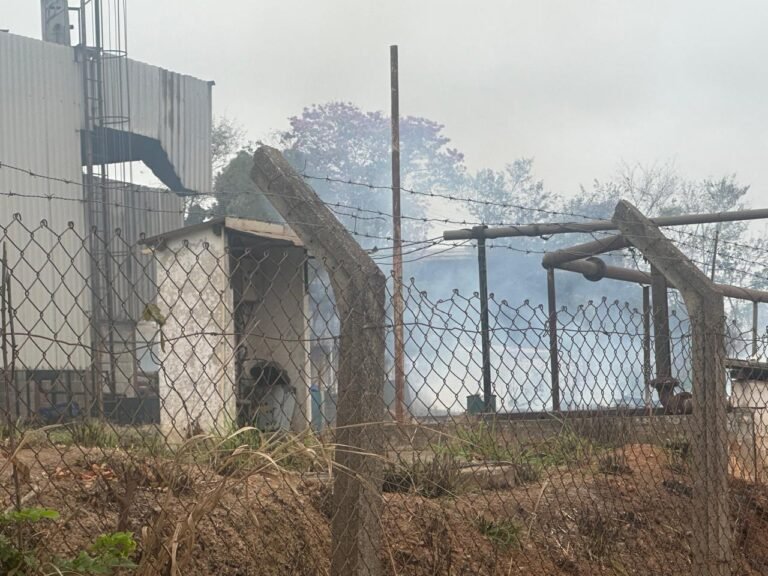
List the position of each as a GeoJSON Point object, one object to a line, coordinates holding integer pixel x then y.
{"type": "Point", "coordinates": [90, 200]}
{"type": "Point", "coordinates": [397, 256]}
{"type": "Point", "coordinates": [489, 401]}
{"type": "Point", "coordinates": [107, 287]}
{"type": "Point", "coordinates": [554, 364]}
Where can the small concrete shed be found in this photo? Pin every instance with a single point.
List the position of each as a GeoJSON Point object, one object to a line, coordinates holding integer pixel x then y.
{"type": "Point", "coordinates": [749, 396]}
{"type": "Point", "coordinates": [232, 302]}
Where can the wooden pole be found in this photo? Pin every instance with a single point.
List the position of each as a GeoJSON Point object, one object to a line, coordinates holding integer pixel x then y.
{"type": "Point", "coordinates": [397, 256]}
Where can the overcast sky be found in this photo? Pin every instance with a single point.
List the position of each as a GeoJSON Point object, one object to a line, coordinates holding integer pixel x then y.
{"type": "Point", "coordinates": [579, 85]}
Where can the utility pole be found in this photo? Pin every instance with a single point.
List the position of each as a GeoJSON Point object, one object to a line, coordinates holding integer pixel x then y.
{"type": "Point", "coordinates": [397, 257]}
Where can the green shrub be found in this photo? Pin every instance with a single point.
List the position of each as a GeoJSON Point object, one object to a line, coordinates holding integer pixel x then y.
{"type": "Point", "coordinates": [108, 553]}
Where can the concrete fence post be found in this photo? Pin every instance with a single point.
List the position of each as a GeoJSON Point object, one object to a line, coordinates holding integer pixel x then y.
{"type": "Point", "coordinates": [360, 289]}
{"type": "Point", "coordinates": [711, 540]}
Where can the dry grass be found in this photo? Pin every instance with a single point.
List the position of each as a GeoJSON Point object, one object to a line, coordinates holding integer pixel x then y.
{"type": "Point", "coordinates": [246, 452]}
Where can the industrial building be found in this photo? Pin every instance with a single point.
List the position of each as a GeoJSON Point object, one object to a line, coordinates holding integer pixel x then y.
{"type": "Point", "coordinates": [75, 114]}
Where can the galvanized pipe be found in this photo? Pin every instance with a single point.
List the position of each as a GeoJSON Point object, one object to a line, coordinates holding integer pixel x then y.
{"type": "Point", "coordinates": [554, 362]}
{"type": "Point", "coordinates": [485, 340]}
{"type": "Point", "coordinates": [547, 229]}
{"type": "Point", "coordinates": [607, 244]}
{"type": "Point", "coordinates": [592, 269]}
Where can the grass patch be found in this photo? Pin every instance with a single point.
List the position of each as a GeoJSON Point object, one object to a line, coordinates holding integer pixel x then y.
{"type": "Point", "coordinates": [247, 449]}
{"type": "Point", "coordinates": [613, 464]}
{"type": "Point", "coordinates": [484, 443]}
{"type": "Point", "coordinates": [148, 441]}
{"type": "Point", "coordinates": [505, 533]}
{"type": "Point", "coordinates": [600, 533]}
{"type": "Point", "coordinates": [565, 449]}
{"type": "Point", "coordinates": [92, 433]}
{"type": "Point", "coordinates": [432, 478]}
{"type": "Point", "coordinates": [98, 434]}
{"type": "Point", "coordinates": [481, 442]}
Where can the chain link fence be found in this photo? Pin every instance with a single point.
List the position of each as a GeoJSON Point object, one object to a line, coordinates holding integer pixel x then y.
{"type": "Point", "coordinates": [191, 403]}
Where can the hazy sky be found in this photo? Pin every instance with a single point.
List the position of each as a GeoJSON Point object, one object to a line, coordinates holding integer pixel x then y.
{"type": "Point", "coordinates": [579, 85]}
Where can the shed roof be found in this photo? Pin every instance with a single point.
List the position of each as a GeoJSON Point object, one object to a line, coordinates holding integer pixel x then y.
{"type": "Point", "coordinates": [242, 226]}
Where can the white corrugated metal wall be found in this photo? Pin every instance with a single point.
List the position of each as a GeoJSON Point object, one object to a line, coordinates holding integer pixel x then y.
{"type": "Point", "coordinates": [172, 108]}
{"type": "Point", "coordinates": [40, 118]}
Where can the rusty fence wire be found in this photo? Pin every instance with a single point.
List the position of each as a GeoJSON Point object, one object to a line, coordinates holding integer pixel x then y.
{"type": "Point", "coordinates": [183, 389]}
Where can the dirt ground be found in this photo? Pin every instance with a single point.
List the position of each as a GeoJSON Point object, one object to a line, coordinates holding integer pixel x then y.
{"type": "Point", "coordinates": [632, 520]}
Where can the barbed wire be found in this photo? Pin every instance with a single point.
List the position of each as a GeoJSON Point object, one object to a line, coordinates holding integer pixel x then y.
{"type": "Point", "coordinates": [425, 244]}
{"type": "Point", "coordinates": [213, 195]}
{"type": "Point", "coordinates": [338, 208]}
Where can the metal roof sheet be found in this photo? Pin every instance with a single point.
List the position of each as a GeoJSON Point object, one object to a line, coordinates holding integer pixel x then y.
{"type": "Point", "coordinates": [253, 228]}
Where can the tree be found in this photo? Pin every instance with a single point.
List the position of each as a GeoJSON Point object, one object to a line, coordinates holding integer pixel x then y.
{"type": "Point", "coordinates": [510, 196]}
{"type": "Point", "coordinates": [340, 141]}
{"type": "Point", "coordinates": [658, 191]}
{"type": "Point", "coordinates": [237, 195]}
{"type": "Point", "coordinates": [227, 139]}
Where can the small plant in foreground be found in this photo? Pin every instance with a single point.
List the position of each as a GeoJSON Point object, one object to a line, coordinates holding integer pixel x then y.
{"type": "Point", "coordinates": [92, 433]}
{"type": "Point", "coordinates": [503, 532]}
{"type": "Point", "coordinates": [108, 553]}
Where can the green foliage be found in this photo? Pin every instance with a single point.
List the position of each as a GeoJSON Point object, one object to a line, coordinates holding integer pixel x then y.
{"type": "Point", "coordinates": [29, 515]}
{"type": "Point", "coordinates": [505, 532]}
{"type": "Point", "coordinates": [237, 195]}
{"type": "Point", "coordinates": [484, 443]}
{"type": "Point", "coordinates": [108, 553]}
{"type": "Point", "coordinates": [148, 441]}
{"type": "Point", "coordinates": [14, 559]}
{"type": "Point", "coordinates": [339, 140]}
{"type": "Point", "coordinates": [247, 449]}
{"type": "Point", "coordinates": [92, 433]}
{"type": "Point", "coordinates": [565, 449]}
